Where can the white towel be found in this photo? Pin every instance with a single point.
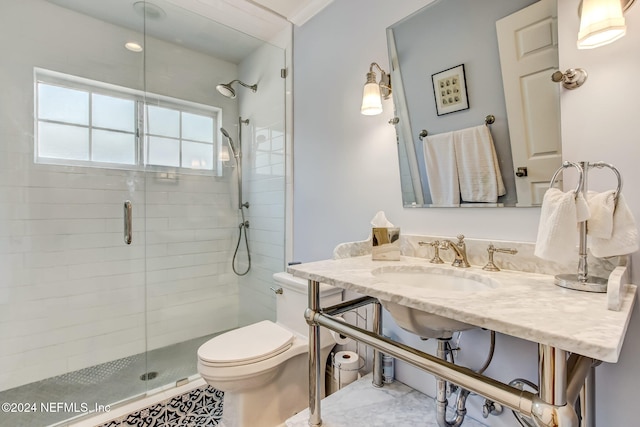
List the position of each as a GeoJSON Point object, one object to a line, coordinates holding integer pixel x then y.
{"type": "Point", "coordinates": [478, 168]}
{"type": "Point", "coordinates": [624, 236]}
{"type": "Point", "coordinates": [601, 206]}
{"type": "Point", "coordinates": [442, 172]}
{"type": "Point", "coordinates": [558, 228]}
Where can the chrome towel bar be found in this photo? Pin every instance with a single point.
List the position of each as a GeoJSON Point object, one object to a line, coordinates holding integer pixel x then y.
{"type": "Point", "coordinates": [489, 120]}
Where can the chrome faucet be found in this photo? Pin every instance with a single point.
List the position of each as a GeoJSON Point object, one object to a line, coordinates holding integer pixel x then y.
{"type": "Point", "coordinates": [460, 251]}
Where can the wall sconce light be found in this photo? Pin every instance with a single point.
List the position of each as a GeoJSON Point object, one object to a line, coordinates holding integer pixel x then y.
{"type": "Point", "coordinates": [373, 91]}
{"type": "Point", "coordinates": [601, 22]}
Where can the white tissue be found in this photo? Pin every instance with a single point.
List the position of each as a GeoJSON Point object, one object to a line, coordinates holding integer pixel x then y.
{"type": "Point", "coordinates": [380, 220]}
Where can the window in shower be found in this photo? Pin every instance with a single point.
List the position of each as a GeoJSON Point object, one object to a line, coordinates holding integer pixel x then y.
{"type": "Point", "coordinates": [87, 123]}
{"type": "Point", "coordinates": [84, 126]}
{"type": "Point", "coordinates": [179, 139]}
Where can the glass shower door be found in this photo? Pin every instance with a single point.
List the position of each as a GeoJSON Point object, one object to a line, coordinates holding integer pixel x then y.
{"type": "Point", "coordinates": [72, 292]}
{"type": "Point", "coordinates": [192, 189]}
{"type": "Point", "coordinates": [192, 295]}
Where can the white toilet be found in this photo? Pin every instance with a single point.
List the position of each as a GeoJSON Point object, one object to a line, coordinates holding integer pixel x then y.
{"type": "Point", "coordinates": [263, 368]}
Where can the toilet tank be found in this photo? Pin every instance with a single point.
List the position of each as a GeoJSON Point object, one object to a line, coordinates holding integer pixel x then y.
{"type": "Point", "coordinates": [293, 301]}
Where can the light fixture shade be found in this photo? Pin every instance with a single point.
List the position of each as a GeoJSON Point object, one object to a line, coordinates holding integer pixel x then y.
{"type": "Point", "coordinates": [371, 99]}
{"type": "Point", "coordinates": [601, 22]}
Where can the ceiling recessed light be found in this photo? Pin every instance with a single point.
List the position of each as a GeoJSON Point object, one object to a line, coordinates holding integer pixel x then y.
{"type": "Point", "coordinates": [133, 46]}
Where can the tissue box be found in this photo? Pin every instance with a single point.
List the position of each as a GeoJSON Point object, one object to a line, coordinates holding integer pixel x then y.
{"type": "Point", "coordinates": [386, 243]}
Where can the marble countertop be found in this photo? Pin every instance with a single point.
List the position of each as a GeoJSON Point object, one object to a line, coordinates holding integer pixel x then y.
{"type": "Point", "coordinates": [524, 305]}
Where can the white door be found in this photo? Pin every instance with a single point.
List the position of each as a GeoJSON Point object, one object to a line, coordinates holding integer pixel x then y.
{"type": "Point", "coordinates": [528, 45]}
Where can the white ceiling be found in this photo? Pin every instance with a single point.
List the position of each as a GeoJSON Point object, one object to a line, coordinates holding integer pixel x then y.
{"type": "Point", "coordinates": [227, 29]}
{"type": "Point", "coordinates": [295, 11]}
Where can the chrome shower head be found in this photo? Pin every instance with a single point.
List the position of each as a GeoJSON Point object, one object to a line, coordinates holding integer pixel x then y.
{"type": "Point", "coordinates": [230, 142]}
{"type": "Point", "coordinates": [225, 89]}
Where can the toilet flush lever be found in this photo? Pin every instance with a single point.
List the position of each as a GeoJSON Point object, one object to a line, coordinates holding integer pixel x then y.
{"type": "Point", "coordinates": [278, 291]}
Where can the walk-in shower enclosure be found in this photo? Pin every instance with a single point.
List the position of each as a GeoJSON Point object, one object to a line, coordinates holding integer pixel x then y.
{"type": "Point", "coordinates": [86, 125]}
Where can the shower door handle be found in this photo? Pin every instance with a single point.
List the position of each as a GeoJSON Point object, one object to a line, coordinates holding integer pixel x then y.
{"type": "Point", "coordinates": [128, 222]}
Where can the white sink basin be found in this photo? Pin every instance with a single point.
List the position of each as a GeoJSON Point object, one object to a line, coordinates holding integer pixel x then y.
{"type": "Point", "coordinates": [428, 280]}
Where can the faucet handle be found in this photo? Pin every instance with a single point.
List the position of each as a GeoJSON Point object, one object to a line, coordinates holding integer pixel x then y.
{"type": "Point", "coordinates": [460, 238]}
{"type": "Point", "coordinates": [491, 266]}
{"type": "Point", "coordinates": [436, 251]}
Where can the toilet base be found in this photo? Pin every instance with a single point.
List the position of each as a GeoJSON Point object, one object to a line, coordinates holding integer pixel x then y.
{"type": "Point", "coordinates": [273, 403]}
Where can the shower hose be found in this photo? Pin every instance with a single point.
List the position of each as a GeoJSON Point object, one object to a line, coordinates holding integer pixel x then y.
{"type": "Point", "coordinates": [242, 230]}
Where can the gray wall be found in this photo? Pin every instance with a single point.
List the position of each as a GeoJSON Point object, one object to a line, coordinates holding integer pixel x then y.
{"type": "Point", "coordinates": [346, 165]}
{"type": "Point", "coordinates": [447, 34]}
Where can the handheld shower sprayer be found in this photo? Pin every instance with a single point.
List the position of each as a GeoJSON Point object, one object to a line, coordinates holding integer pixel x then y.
{"type": "Point", "coordinates": [235, 153]}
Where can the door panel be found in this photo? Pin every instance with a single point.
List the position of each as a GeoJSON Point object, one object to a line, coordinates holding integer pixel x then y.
{"type": "Point", "coordinates": [528, 48]}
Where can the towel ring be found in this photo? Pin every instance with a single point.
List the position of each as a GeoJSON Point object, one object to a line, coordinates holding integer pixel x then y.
{"type": "Point", "coordinates": [601, 165]}
{"type": "Point", "coordinates": [565, 165]}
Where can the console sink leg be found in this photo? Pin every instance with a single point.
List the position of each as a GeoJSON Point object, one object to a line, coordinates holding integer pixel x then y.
{"type": "Point", "coordinates": [377, 356]}
{"type": "Point", "coordinates": [551, 409]}
{"type": "Point", "coordinates": [315, 394]}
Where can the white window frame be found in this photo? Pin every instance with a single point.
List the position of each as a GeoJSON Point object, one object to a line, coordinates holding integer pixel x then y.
{"type": "Point", "coordinates": [142, 100]}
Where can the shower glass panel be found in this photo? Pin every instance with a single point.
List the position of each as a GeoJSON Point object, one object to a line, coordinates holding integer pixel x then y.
{"type": "Point", "coordinates": [72, 293]}
{"type": "Point", "coordinates": [86, 126]}
{"type": "Point", "coordinates": [192, 212]}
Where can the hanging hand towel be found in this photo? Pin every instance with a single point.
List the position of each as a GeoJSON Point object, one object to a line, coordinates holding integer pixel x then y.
{"type": "Point", "coordinates": [478, 167]}
{"type": "Point", "coordinates": [442, 172]}
{"type": "Point", "coordinates": [601, 206]}
{"type": "Point", "coordinates": [558, 228]}
{"type": "Point", "coordinates": [624, 237]}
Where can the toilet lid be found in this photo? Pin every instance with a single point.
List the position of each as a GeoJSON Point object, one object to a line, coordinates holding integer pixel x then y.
{"type": "Point", "coordinates": [248, 344]}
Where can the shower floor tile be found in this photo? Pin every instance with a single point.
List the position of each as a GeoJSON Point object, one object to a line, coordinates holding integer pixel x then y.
{"type": "Point", "coordinates": [103, 384]}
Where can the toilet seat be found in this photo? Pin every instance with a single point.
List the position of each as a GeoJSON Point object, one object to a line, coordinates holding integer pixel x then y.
{"type": "Point", "coordinates": [249, 344]}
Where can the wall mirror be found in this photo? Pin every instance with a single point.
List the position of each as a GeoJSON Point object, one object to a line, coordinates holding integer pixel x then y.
{"type": "Point", "coordinates": [509, 51]}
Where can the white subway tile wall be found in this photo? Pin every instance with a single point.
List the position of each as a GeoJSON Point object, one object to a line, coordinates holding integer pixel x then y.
{"type": "Point", "coordinates": [73, 293]}
{"type": "Point", "coordinates": [265, 190]}
{"type": "Point", "coordinates": [264, 181]}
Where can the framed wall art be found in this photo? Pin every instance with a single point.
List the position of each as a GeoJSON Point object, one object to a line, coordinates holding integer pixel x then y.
{"type": "Point", "coordinates": [450, 90]}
